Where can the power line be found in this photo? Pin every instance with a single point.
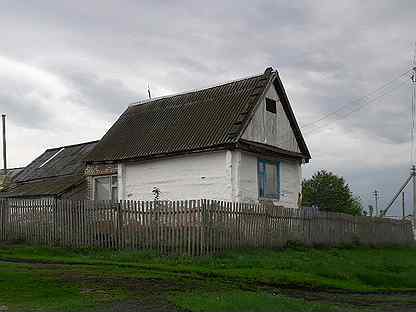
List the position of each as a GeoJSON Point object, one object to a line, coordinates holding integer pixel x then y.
{"type": "Point", "coordinates": [356, 100]}
{"type": "Point", "coordinates": [319, 128]}
{"type": "Point", "coordinates": [358, 107]}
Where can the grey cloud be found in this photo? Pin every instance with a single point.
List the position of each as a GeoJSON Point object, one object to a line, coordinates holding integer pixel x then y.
{"type": "Point", "coordinates": [100, 94]}
{"type": "Point", "coordinates": [356, 46]}
{"type": "Point", "coordinates": [24, 111]}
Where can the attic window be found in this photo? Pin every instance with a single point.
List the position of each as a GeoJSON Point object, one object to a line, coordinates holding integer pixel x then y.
{"type": "Point", "coordinates": [52, 157]}
{"type": "Point", "coordinates": [271, 105]}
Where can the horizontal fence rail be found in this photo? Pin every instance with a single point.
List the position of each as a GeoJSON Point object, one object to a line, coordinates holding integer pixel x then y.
{"type": "Point", "coordinates": [189, 227]}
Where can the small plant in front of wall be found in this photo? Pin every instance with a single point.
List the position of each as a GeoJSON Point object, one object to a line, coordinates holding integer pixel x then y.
{"type": "Point", "coordinates": [156, 193]}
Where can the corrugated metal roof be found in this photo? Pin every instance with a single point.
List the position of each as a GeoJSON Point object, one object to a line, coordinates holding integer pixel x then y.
{"type": "Point", "coordinates": [52, 173]}
{"type": "Point", "coordinates": [199, 120]}
{"type": "Point", "coordinates": [185, 122]}
{"type": "Point", "coordinates": [45, 187]}
{"type": "Point", "coordinates": [69, 161]}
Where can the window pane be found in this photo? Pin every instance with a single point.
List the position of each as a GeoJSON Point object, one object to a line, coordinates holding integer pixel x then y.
{"type": "Point", "coordinates": [114, 180]}
{"type": "Point", "coordinates": [271, 180]}
{"type": "Point", "coordinates": [114, 191]}
{"type": "Point", "coordinates": [271, 105]}
{"type": "Point", "coordinates": [102, 188]}
{"type": "Point", "coordinates": [260, 175]}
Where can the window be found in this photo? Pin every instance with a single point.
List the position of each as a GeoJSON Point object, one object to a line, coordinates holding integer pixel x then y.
{"type": "Point", "coordinates": [106, 188]}
{"type": "Point", "coordinates": [271, 105]}
{"type": "Point", "coordinates": [269, 179]}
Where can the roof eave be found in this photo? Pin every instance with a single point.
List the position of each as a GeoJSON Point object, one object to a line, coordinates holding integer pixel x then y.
{"type": "Point", "coordinates": [219, 147]}
{"type": "Point", "coordinates": [291, 116]}
{"type": "Point", "coordinates": [256, 147]}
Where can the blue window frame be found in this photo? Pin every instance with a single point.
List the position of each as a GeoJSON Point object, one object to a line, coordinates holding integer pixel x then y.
{"type": "Point", "coordinates": [269, 178]}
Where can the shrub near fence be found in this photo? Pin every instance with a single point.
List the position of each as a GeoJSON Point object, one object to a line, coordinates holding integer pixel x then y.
{"type": "Point", "coordinates": [192, 227]}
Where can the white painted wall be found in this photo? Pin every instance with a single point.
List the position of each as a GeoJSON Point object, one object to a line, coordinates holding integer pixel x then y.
{"type": "Point", "coordinates": [246, 183]}
{"type": "Point", "coordinates": [269, 128]}
{"type": "Point", "coordinates": [222, 175]}
{"type": "Point", "coordinates": [186, 177]}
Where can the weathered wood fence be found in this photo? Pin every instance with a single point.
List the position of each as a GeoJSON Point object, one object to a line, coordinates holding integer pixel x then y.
{"type": "Point", "coordinates": [192, 227]}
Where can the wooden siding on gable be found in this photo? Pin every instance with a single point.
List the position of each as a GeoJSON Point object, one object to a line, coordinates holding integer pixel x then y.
{"type": "Point", "coordinates": [271, 129]}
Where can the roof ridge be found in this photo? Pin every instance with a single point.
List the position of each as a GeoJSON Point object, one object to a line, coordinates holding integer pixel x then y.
{"type": "Point", "coordinates": [148, 101]}
{"type": "Point", "coordinates": [72, 145]}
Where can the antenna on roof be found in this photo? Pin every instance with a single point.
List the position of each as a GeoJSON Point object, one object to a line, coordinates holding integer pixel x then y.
{"type": "Point", "coordinates": [148, 91]}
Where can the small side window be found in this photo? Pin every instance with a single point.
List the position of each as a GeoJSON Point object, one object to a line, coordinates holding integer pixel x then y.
{"type": "Point", "coordinates": [106, 188]}
{"type": "Point", "coordinates": [269, 179]}
{"type": "Point", "coordinates": [271, 105]}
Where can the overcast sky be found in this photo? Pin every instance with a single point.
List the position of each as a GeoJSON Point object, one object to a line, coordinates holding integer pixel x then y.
{"type": "Point", "coordinates": [68, 69]}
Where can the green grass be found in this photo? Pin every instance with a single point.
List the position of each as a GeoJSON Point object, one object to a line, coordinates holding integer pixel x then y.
{"type": "Point", "coordinates": [23, 287]}
{"type": "Point", "coordinates": [353, 269]}
{"type": "Point", "coordinates": [227, 283]}
{"type": "Point", "coordinates": [244, 301]}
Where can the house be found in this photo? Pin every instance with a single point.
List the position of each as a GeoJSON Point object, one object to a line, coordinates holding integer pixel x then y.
{"type": "Point", "coordinates": [6, 179]}
{"type": "Point", "coordinates": [57, 173]}
{"type": "Point", "coordinates": [238, 141]}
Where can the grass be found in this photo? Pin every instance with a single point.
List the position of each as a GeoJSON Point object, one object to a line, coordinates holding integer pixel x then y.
{"type": "Point", "coordinates": [236, 281]}
{"type": "Point", "coordinates": [23, 287]}
{"type": "Point", "coordinates": [353, 269]}
{"type": "Point", "coordinates": [244, 301]}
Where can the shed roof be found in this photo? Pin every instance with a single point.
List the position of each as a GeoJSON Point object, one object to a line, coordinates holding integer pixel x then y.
{"type": "Point", "coordinates": [59, 161]}
{"type": "Point", "coordinates": [52, 173]}
{"type": "Point", "coordinates": [44, 187]}
{"type": "Point", "coordinates": [205, 119]}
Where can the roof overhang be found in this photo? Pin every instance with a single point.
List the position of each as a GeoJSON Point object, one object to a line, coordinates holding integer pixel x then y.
{"type": "Point", "coordinates": [267, 150]}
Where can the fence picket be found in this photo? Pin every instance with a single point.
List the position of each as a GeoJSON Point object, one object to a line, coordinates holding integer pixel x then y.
{"type": "Point", "coordinates": [190, 227]}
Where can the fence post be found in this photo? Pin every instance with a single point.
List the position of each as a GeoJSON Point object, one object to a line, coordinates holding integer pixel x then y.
{"type": "Point", "coordinates": [119, 225]}
{"type": "Point", "coordinates": [204, 226]}
{"type": "Point", "coordinates": [5, 219]}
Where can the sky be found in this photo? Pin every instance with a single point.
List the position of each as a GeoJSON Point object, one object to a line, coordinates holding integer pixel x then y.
{"type": "Point", "coordinates": [68, 69]}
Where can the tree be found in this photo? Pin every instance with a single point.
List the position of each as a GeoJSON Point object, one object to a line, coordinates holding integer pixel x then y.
{"type": "Point", "coordinates": [329, 192]}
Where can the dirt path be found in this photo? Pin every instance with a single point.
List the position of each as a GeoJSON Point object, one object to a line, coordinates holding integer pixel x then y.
{"type": "Point", "coordinates": [383, 302]}
{"type": "Point", "coordinates": [151, 295]}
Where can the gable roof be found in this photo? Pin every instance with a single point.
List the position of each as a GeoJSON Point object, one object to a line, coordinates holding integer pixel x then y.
{"type": "Point", "coordinates": [206, 119]}
{"type": "Point", "coordinates": [53, 172]}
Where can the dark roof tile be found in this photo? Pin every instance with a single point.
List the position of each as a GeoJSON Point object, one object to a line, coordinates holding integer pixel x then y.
{"type": "Point", "coordinates": [198, 120]}
{"type": "Point", "coordinates": [67, 160]}
{"type": "Point", "coordinates": [45, 187]}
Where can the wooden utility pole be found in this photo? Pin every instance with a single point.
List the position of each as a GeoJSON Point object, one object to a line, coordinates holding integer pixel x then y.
{"type": "Point", "coordinates": [413, 173]}
{"type": "Point", "coordinates": [370, 210]}
{"type": "Point", "coordinates": [403, 215]}
{"type": "Point", "coordinates": [376, 195]}
{"type": "Point", "coordinates": [3, 117]}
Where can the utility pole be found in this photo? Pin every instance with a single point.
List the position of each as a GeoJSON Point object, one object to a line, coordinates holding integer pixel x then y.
{"type": "Point", "coordinates": [413, 174]}
{"type": "Point", "coordinates": [376, 196]}
{"type": "Point", "coordinates": [370, 210]}
{"type": "Point", "coordinates": [403, 215]}
{"type": "Point", "coordinates": [413, 170]}
{"type": "Point", "coordinates": [3, 117]}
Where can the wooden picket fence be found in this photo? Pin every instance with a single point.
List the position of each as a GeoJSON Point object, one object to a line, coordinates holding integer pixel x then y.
{"type": "Point", "coordinates": [189, 227]}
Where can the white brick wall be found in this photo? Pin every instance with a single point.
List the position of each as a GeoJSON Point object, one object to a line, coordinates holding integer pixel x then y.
{"type": "Point", "coordinates": [222, 175]}
{"type": "Point", "coordinates": [186, 177]}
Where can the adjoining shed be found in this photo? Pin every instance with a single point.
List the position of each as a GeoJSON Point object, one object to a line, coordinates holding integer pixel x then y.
{"type": "Point", "coordinates": [57, 173]}
{"type": "Point", "coordinates": [238, 141]}
{"type": "Point", "coordinates": [9, 177]}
